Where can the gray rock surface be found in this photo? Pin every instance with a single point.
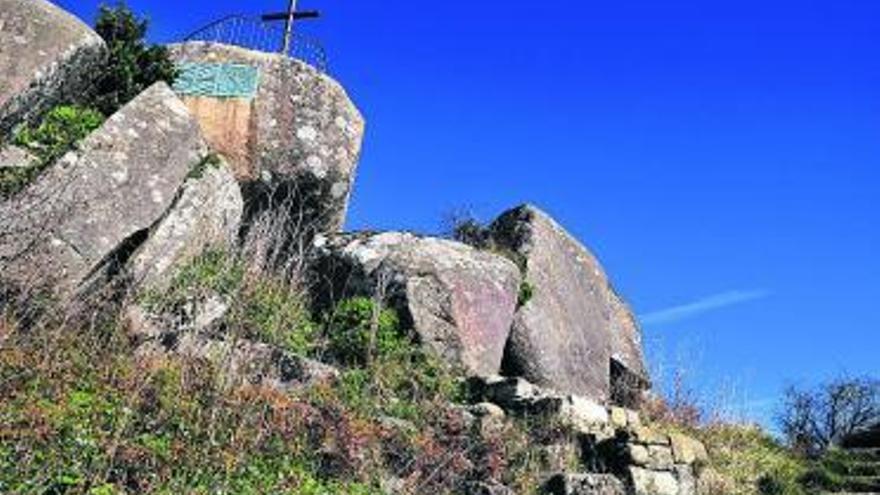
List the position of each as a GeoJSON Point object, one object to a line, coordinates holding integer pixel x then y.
{"type": "Point", "coordinates": [47, 57]}
{"type": "Point", "coordinates": [647, 482]}
{"type": "Point", "coordinates": [207, 214]}
{"type": "Point", "coordinates": [300, 145]}
{"type": "Point", "coordinates": [521, 397]}
{"type": "Point", "coordinates": [567, 334]}
{"type": "Point", "coordinates": [243, 362]}
{"type": "Point", "coordinates": [460, 301]}
{"type": "Point", "coordinates": [86, 213]}
{"type": "Point", "coordinates": [584, 484]}
{"type": "Point", "coordinates": [16, 157]}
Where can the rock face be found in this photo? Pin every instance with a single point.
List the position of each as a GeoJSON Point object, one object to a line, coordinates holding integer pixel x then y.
{"type": "Point", "coordinates": [295, 141]}
{"type": "Point", "coordinates": [575, 334]}
{"type": "Point", "coordinates": [460, 301]}
{"type": "Point", "coordinates": [47, 56]}
{"type": "Point", "coordinates": [584, 484]}
{"type": "Point", "coordinates": [206, 215]}
{"type": "Point", "coordinates": [15, 157]}
{"type": "Point", "coordinates": [632, 458]}
{"type": "Point", "coordinates": [91, 208]}
{"type": "Point", "coordinates": [243, 362]}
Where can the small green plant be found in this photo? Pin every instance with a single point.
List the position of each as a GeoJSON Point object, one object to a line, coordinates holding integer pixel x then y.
{"type": "Point", "coordinates": [358, 330]}
{"type": "Point", "coordinates": [55, 135]}
{"type": "Point", "coordinates": [526, 293]}
{"type": "Point", "coordinates": [212, 160]}
{"type": "Point", "coordinates": [59, 130]}
{"type": "Point", "coordinates": [133, 65]}
{"type": "Point", "coordinates": [214, 272]}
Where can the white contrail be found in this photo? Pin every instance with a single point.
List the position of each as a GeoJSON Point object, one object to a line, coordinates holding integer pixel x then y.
{"type": "Point", "coordinates": [704, 305]}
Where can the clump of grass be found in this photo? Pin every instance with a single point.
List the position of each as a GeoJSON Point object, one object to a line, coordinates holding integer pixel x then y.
{"type": "Point", "coordinates": [261, 307]}
{"type": "Point", "coordinates": [752, 461]}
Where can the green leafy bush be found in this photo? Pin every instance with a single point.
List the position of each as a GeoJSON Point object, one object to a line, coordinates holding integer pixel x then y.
{"type": "Point", "coordinates": [55, 135]}
{"type": "Point", "coordinates": [358, 330]}
{"type": "Point", "coordinates": [59, 130]}
{"type": "Point", "coordinates": [133, 65]}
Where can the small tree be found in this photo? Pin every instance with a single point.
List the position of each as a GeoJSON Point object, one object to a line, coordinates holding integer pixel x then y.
{"type": "Point", "coordinates": [133, 65]}
{"type": "Point", "coordinates": [814, 420]}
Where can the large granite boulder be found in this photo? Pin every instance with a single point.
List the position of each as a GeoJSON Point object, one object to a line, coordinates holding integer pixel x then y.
{"type": "Point", "coordinates": [460, 301]}
{"type": "Point", "coordinates": [291, 133]}
{"type": "Point", "coordinates": [47, 57]}
{"type": "Point", "coordinates": [575, 334]}
{"type": "Point", "coordinates": [206, 215]}
{"type": "Point", "coordinates": [87, 213]}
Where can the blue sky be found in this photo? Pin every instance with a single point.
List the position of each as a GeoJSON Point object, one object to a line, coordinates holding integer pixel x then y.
{"type": "Point", "coordinates": [721, 158]}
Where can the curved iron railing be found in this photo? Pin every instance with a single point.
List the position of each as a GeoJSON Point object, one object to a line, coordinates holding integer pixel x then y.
{"type": "Point", "coordinates": [253, 33]}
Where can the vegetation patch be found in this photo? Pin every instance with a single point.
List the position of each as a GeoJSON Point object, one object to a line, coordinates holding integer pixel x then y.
{"type": "Point", "coordinates": [59, 132]}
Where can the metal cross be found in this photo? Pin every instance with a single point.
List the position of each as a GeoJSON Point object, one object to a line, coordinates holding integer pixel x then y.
{"type": "Point", "coordinates": [288, 17]}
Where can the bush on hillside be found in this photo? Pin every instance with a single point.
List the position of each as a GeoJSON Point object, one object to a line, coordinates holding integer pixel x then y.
{"type": "Point", "coordinates": [133, 65]}
{"type": "Point", "coordinates": [360, 329]}
{"type": "Point", "coordinates": [82, 414]}
{"type": "Point", "coordinates": [814, 420]}
{"type": "Point", "coordinates": [55, 135]}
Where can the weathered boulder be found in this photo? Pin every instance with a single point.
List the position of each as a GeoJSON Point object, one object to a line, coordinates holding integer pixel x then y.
{"type": "Point", "coordinates": [521, 397]}
{"type": "Point", "coordinates": [584, 484]}
{"type": "Point", "coordinates": [460, 301]}
{"type": "Point", "coordinates": [575, 334]}
{"type": "Point", "coordinates": [16, 157]}
{"type": "Point", "coordinates": [206, 215]}
{"type": "Point", "coordinates": [647, 482]}
{"type": "Point", "coordinates": [292, 134]}
{"type": "Point", "coordinates": [87, 213]}
{"type": "Point", "coordinates": [47, 57]}
{"type": "Point", "coordinates": [242, 362]}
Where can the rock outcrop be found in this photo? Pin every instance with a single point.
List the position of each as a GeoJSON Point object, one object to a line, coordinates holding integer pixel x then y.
{"type": "Point", "coordinates": [460, 301]}
{"type": "Point", "coordinates": [206, 215]}
{"type": "Point", "coordinates": [84, 214]}
{"type": "Point", "coordinates": [575, 334]}
{"type": "Point", "coordinates": [584, 484]}
{"type": "Point", "coordinates": [16, 157]}
{"type": "Point", "coordinates": [617, 452]}
{"type": "Point", "coordinates": [294, 142]}
{"type": "Point", "coordinates": [47, 57]}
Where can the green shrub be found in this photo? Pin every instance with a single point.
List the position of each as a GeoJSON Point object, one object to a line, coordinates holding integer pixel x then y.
{"type": "Point", "coordinates": [358, 330]}
{"type": "Point", "coordinates": [55, 135]}
{"type": "Point", "coordinates": [59, 130]}
{"type": "Point", "coordinates": [526, 293]}
{"type": "Point", "coordinates": [133, 65]}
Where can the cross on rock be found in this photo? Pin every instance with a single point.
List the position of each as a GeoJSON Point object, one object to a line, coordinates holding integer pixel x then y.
{"type": "Point", "coordinates": [289, 17]}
